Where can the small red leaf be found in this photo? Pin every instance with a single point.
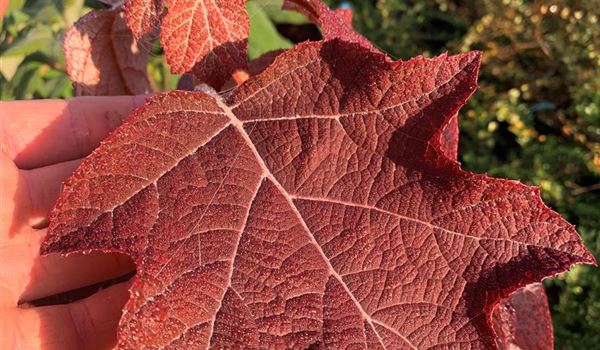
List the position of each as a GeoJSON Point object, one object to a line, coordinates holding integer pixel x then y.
{"type": "Point", "coordinates": [335, 24]}
{"type": "Point", "coordinates": [210, 35]}
{"type": "Point", "coordinates": [522, 321]}
{"type": "Point", "coordinates": [313, 207]}
{"type": "Point", "coordinates": [103, 58]}
{"type": "Point", "coordinates": [143, 16]}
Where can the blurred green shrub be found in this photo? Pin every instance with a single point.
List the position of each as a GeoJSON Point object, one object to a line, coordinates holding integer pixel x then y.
{"type": "Point", "coordinates": [536, 116]}
{"type": "Point", "coordinates": [32, 64]}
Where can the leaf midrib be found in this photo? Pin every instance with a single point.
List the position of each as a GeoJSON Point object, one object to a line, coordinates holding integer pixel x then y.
{"type": "Point", "coordinates": [267, 174]}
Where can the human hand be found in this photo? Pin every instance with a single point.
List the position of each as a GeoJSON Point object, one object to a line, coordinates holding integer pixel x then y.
{"type": "Point", "coordinates": [43, 142]}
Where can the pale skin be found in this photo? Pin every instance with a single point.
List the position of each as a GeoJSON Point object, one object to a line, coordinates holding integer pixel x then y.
{"type": "Point", "coordinates": [43, 142]}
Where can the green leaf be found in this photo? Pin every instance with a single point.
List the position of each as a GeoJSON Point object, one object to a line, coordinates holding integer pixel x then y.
{"type": "Point", "coordinates": [263, 34]}
{"type": "Point", "coordinates": [9, 65]}
{"type": "Point", "coordinates": [35, 40]}
{"type": "Point", "coordinates": [272, 8]}
{"type": "Point", "coordinates": [45, 12]}
{"type": "Point", "coordinates": [15, 5]}
{"type": "Point", "coordinates": [24, 80]}
{"type": "Point", "coordinates": [70, 9]}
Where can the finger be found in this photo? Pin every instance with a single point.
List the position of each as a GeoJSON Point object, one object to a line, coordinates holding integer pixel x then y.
{"type": "Point", "coordinates": [29, 195]}
{"type": "Point", "coordinates": [55, 274]}
{"type": "Point", "coordinates": [44, 186]}
{"type": "Point", "coordinates": [90, 323]}
{"type": "Point", "coordinates": [26, 276]}
{"type": "Point", "coordinates": [10, 190]}
{"type": "Point", "coordinates": [42, 132]}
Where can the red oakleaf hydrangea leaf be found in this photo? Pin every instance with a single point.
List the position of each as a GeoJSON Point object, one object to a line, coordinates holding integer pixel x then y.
{"type": "Point", "coordinates": [210, 35]}
{"type": "Point", "coordinates": [103, 58]}
{"type": "Point", "coordinates": [335, 24]}
{"type": "Point", "coordinates": [143, 16]}
{"type": "Point", "coordinates": [313, 207]}
{"type": "Point", "coordinates": [523, 321]}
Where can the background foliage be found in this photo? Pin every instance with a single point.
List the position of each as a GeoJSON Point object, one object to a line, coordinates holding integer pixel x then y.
{"type": "Point", "coordinates": [536, 116]}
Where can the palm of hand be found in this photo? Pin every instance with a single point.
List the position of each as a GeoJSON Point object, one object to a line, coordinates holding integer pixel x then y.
{"type": "Point", "coordinates": [42, 144]}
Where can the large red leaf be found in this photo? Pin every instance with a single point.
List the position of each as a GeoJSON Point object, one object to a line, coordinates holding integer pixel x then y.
{"type": "Point", "coordinates": [210, 35]}
{"type": "Point", "coordinates": [312, 207]}
{"type": "Point", "coordinates": [523, 321]}
{"type": "Point", "coordinates": [103, 58]}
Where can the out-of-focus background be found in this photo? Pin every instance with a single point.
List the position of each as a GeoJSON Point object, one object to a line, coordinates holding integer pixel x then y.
{"type": "Point", "coordinates": [536, 116]}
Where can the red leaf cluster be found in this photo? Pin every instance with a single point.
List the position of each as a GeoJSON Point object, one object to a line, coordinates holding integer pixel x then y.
{"type": "Point", "coordinates": [206, 37]}
{"type": "Point", "coordinates": [317, 205]}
